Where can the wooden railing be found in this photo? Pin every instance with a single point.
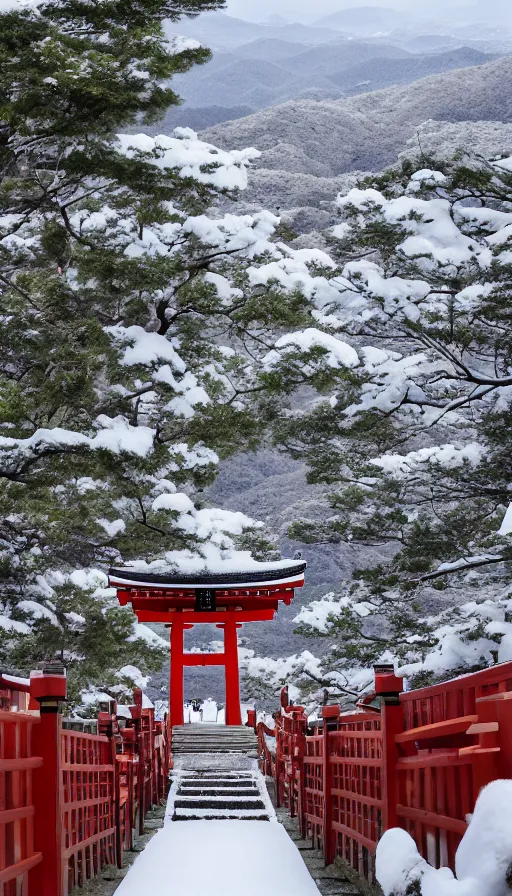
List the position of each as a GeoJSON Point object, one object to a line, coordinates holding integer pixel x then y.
{"type": "Point", "coordinates": [19, 854]}
{"type": "Point", "coordinates": [415, 760]}
{"type": "Point", "coordinates": [70, 800]}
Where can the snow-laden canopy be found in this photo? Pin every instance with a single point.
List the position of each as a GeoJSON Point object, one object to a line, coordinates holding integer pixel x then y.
{"type": "Point", "coordinates": [412, 359]}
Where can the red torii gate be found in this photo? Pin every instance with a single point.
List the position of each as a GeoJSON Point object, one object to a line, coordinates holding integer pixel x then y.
{"type": "Point", "coordinates": [225, 600]}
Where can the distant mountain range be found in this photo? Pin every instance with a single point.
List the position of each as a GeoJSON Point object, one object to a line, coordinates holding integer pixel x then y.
{"type": "Point", "coordinates": [223, 32]}
{"type": "Point", "coordinates": [364, 133]}
{"type": "Point", "coordinates": [375, 74]}
{"type": "Point", "coordinates": [268, 72]}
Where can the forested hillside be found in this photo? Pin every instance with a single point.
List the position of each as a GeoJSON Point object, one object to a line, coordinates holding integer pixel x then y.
{"type": "Point", "coordinates": [365, 133]}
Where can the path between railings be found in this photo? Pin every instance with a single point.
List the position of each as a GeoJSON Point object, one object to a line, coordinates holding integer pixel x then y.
{"type": "Point", "coordinates": [221, 836]}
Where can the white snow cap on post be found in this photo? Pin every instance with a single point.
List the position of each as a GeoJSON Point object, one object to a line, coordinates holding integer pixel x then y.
{"type": "Point", "coordinates": [483, 861]}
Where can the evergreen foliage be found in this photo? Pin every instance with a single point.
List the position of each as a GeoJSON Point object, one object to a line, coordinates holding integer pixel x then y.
{"type": "Point", "coordinates": [412, 439]}
{"type": "Point", "coordinates": [129, 326]}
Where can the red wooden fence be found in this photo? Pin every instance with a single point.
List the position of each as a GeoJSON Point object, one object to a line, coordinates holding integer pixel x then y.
{"type": "Point", "coordinates": [69, 800]}
{"type": "Point", "coordinates": [18, 852]}
{"type": "Point", "coordinates": [88, 777]}
{"type": "Point", "coordinates": [416, 760]}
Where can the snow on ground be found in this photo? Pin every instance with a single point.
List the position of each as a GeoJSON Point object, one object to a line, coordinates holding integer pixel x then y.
{"type": "Point", "coordinates": [219, 858]}
{"type": "Point", "coordinates": [482, 862]}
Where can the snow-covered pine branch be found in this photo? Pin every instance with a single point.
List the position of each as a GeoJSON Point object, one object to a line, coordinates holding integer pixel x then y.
{"type": "Point", "coordinates": [132, 333]}
{"type": "Point", "coordinates": [411, 357]}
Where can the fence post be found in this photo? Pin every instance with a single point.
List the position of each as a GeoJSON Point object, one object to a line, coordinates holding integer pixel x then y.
{"type": "Point", "coordinates": [492, 758]}
{"type": "Point", "coordinates": [294, 758]}
{"type": "Point", "coordinates": [49, 689]}
{"type": "Point", "coordinates": [278, 719]}
{"type": "Point", "coordinates": [136, 711]}
{"type": "Point", "coordinates": [300, 753]}
{"type": "Point", "coordinates": [389, 687]}
{"type": "Point", "coordinates": [108, 726]}
{"type": "Point", "coordinates": [330, 715]}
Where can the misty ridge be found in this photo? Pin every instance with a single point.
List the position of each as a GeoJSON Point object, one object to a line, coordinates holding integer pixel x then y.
{"type": "Point", "coordinates": [257, 66]}
{"type": "Point", "coordinates": [324, 104]}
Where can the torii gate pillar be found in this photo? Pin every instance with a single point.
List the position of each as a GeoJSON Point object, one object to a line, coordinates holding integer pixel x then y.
{"type": "Point", "coordinates": [233, 709]}
{"type": "Point", "coordinates": [228, 659]}
{"type": "Point", "coordinates": [176, 685]}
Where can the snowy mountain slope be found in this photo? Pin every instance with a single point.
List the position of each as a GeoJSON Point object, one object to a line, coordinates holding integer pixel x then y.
{"type": "Point", "coordinates": [248, 82]}
{"type": "Point", "coordinates": [491, 139]}
{"type": "Point", "coordinates": [287, 190]}
{"type": "Point", "coordinates": [237, 77]}
{"type": "Point", "coordinates": [367, 131]}
{"type": "Point", "coordinates": [311, 196]}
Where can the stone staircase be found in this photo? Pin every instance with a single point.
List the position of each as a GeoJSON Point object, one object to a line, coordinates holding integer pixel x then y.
{"type": "Point", "coordinates": [213, 739]}
{"type": "Point", "coordinates": [215, 775]}
{"type": "Point", "coordinates": [219, 795]}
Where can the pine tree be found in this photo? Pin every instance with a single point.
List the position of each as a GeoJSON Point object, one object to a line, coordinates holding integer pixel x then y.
{"type": "Point", "coordinates": [411, 439]}
{"type": "Point", "coordinates": [131, 328]}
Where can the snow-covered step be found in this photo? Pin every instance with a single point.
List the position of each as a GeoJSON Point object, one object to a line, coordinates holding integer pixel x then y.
{"type": "Point", "coordinates": [220, 774]}
{"type": "Point", "coordinates": [197, 739]}
{"type": "Point", "coordinates": [218, 798]}
{"type": "Point", "coordinates": [214, 741]}
{"type": "Point", "coordinates": [219, 814]}
{"type": "Point", "coordinates": [210, 738]}
{"type": "Point", "coordinates": [224, 747]}
{"type": "Point", "coordinates": [209, 795]}
{"type": "Point", "coordinates": [204, 726]}
{"type": "Point", "coordinates": [223, 778]}
{"type": "Point", "coordinates": [225, 792]}
{"type": "Point", "coordinates": [218, 802]}
{"type": "Point", "coordinates": [221, 782]}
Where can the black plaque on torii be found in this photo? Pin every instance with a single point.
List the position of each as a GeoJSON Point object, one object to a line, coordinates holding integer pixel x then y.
{"type": "Point", "coordinates": [206, 600]}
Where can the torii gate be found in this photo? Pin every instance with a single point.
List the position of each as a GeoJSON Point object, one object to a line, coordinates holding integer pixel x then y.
{"type": "Point", "coordinates": [225, 600]}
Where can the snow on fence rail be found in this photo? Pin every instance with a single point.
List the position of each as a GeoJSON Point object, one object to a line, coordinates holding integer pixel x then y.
{"type": "Point", "coordinates": [417, 761]}
{"type": "Point", "coordinates": [69, 799]}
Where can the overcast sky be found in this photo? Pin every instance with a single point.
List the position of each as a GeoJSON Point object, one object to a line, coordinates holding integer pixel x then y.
{"type": "Point", "coordinates": [305, 10]}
